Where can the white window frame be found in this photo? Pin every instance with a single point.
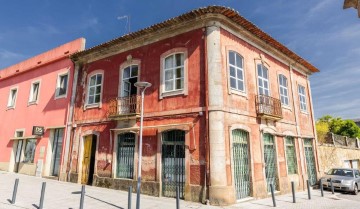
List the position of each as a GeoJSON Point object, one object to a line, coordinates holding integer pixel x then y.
{"type": "Point", "coordinates": [57, 88]}
{"type": "Point", "coordinates": [184, 90]}
{"type": "Point", "coordinates": [237, 89]}
{"type": "Point", "coordinates": [12, 101]}
{"type": "Point", "coordinates": [263, 79]}
{"type": "Point", "coordinates": [302, 98]}
{"type": "Point", "coordinates": [282, 89]}
{"type": "Point", "coordinates": [31, 94]}
{"type": "Point", "coordinates": [122, 83]}
{"type": "Point", "coordinates": [95, 104]}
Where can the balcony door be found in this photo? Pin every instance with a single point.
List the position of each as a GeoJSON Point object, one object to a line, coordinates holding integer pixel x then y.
{"type": "Point", "coordinates": [129, 78]}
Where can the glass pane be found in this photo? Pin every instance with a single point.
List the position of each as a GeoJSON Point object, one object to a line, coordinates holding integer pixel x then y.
{"type": "Point", "coordinates": [127, 86]}
{"type": "Point", "coordinates": [240, 85]}
{"type": "Point", "coordinates": [92, 80]}
{"type": "Point", "coordinates": [179, 73]}
{"type": "Point", "coordinates": [98, 89]}
{"type": "Point", "coordinates": [232, 71]}
{"type": "Point", "coordinates": [286, 101]}
{"type": "Point", "coordinates": [98, 79]}
{"type": "Point", "coordinates": [169, 74]}
{"type": "Point", "coordinates": [169, 85]}
{"type": "Point", "coordinates": [134, 71]}
{"type": "Point", "coordinates": [126, 73]}
{"type": "Point", "coordinates": [266, 92]}
{"type": "Point", "coordinates": [92, 91]}
{"type": "Point", "coordinates": [238, 61]}
{"type": "Point", "coordinates": [91, 100]}
{"type": "Point", "coordinates": [169, 62]}
{"type": "Point", "coordinates": [179, 83]}
{"type": "Point", "coordinates": [232, 58]}
{"type": "Point", "coordinates": [260, 82]}
{"type": "Point", "coordinates": [179, 59]}
{"type": "Point", "coordinates": [265, 72]}
{"type": "Point", "coordinates": [97, 98]}
{"type": "Point", "coordinates": [259, 71]}
{"type": "Point", "coordinates": [285, 92]}
{"type": "Point", "coordinates": [239, 74]}
{"type": "Point", "coordinates": [233, 83]}
{"type": "Point", "coordinates": [266, 85]}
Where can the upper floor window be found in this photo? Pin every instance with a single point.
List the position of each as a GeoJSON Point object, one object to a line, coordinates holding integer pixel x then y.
{"type": "Point", "coordinates": [174, 72]}
{"type": "Point", "coordinates": [34, 92]}
{"type": "Point", "coordinates": [94, 89]}
{"type": "Point", "coordinates": [12, 97]}
{"type": "Point", "coordinates": [302, 98]}
{"type": "Point", "coordinates": [283, 86]}
{"type": "Point", "coordinates": [61, 85]}
{"type": "Point", "coordinates": [263, 80]}
{"type": "Point", "coordinates": [130, 77]}
{"type": "Point", "coordinates": [236, 71]}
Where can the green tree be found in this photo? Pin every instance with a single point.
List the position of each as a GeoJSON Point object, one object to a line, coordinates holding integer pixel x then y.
{"type": "Point", "coordinates": [337, 126]}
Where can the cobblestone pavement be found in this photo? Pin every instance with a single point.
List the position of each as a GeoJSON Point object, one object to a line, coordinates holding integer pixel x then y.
{"type": "Point", "coordinates": [65, 195]}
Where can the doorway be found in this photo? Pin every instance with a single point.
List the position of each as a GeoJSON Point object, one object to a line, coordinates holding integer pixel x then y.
{"type": "Point", "coordinates": [18, 151]}
{"type": "Point", "coordinates": [88, 162]}
{"type": "Point", "coordinates": [56, 151]}
{"type": "Point", "coordinates": [270, 161]}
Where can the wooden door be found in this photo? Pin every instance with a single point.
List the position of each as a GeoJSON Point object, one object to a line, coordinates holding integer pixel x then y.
{"type": "Point", "coordinates": [86, 159]}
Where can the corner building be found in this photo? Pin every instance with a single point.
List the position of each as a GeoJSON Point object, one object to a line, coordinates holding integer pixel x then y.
{"type": "Point", "coordinates": [229, 111]}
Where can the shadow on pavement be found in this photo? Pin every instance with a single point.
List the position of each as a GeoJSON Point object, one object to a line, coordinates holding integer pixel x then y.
{"type": "Point", "coordinates": [37, 207]}
{"type": "Point", "coordinates": [271, 206]}
{"type": "Point", "coordinates": [104, 202]}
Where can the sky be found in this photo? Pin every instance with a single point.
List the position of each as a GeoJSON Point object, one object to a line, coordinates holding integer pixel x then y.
{"type": "Point", "coordinates": [318, 30]}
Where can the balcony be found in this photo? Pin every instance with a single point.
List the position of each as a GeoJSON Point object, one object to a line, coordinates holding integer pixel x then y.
{"type": "Point", "coordinates": [268, 107]}
{"type": "Point", "coordinates": [124, 107]}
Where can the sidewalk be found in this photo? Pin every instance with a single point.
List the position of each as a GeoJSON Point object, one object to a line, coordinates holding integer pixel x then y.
{"type": "Point", "coordinates": [67, 195]}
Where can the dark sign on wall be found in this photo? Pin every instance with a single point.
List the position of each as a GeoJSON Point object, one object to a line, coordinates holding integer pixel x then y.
{"type": "Point", "coordinates": [38, 130]}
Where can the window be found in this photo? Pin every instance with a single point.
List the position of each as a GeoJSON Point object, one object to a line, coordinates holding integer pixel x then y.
{"type": "Point", "coordinates": [174, 72]}
{"type": "Point", "coordinates": [290, 155]}
{"type": "Point", "coordinates": [130, 77]}
{"type": "Point", "coordinates": [29, 151]}
{"type": "Point", "coordinates": [236, 71]}
{"type": "Point", "coordinates": [61, 85]}
{"type": "Point", "coordinates": [34, 92]}
{"type": "Point", "coordinates": [12, 97]}
{"type": "Point", "coordinates": [283, 90]}
{"type": "Point", "coordinates": [94, 89]}
{"type": "Point", "coordinates": [125, 155]}
{"type": "Point", "coordinates": [263, 80]}
{"type": "Point", "coordinates": [302, 98]}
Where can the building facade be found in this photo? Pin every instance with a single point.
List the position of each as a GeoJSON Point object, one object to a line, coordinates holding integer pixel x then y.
{"type": "Point", "coordinates": [35, 95]}
{"type": "Point", "coordinates": [229, 111]}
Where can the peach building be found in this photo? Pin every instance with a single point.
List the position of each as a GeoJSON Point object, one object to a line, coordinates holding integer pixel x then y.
{"type": "Point", "coordinates": [34, 106]}
{"type": "Point", "coordinates": [229, 111]}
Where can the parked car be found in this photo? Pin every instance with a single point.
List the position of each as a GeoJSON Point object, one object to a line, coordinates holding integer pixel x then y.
{"type": "Point", "coordinates": [344, 179]}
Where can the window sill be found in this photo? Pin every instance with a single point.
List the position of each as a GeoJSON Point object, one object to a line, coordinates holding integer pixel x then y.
{"type": "Point", "coordinates": [60, 97]}
{"type": "Point", "coordinates": [286, 107]}
{"type": "Point", "coordinates": [239, 93]}
{"type": "Point", "coordinates": [32, 103]}
{"type": "Point", "coordinates": [91, 106]}
{"type": "Point", "coordinates": [172, 93]}
{"type": "Point", "coordinates": [10, 108]}
{"type": "Point", "coordinates": [304, 112]}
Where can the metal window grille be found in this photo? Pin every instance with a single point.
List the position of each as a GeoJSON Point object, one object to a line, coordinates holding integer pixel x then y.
{"type": "Point", "coordinates": [241, 163]}
{"type": "Point", "coordinates": [125, 155]}
{"type": "Point", "coordinates": [310, 161]}
{"type": "Point", "coordinates": [291, 155]}
{"type": "Point", "coordinates": [270, 161]}
{"type": "Point", "coordinates": [173, 163]}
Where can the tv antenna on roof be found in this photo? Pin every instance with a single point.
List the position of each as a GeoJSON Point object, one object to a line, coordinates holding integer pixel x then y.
{"type": "Point", "coordinates": [127, 25]}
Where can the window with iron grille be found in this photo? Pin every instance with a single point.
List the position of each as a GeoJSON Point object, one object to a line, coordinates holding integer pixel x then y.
{"type": "Point", "coordinates": [291, 155]}
{"type": "Point", "coordinates": [283, 86]}
{"type": "Point", "coordinates": [125, 155]}
{"type": "Point", "coordinates": [302, 98]}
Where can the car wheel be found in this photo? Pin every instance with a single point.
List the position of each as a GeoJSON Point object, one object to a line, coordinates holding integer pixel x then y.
{"type": "Point", "coordinates": [356, 189]}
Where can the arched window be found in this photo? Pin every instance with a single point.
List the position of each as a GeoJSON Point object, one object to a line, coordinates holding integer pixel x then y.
{"type": "Point", "coordinates": [263, 80]}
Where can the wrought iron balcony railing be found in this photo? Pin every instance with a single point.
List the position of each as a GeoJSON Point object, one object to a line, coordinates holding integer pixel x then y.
{"type": "Point", "coordinates": [124, 106]}
{"type": "Point", "coordinates": [268, 107]}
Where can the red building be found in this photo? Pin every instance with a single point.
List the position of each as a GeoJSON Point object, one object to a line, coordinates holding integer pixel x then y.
{"type": "Point", "coordinates": [35, 94]}
{"type": "Point", "coordinates": [229, 111]}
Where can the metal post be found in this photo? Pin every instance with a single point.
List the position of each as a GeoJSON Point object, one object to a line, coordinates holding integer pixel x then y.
{"type": "Point", "coordinates": [82, 196]}
{"type": "Point", "coordinates": [273, 194]}
{"type": "Point", "coordinates": [321, 188]}
{"type": "Point", "coordinates": [308, 187]}
{"type": "Point", "coordinates": [129, 197]}
{"type": "Point", "coordinates": [332, 186]}
{"type": "Point", "coordinates": [293, 191]}
{"type": "Point", "coordinates": [41, 204]}
{"type": "Point", "coordinates": [15, 191]}
{"type": "Point", "coordinates": [177, 197]}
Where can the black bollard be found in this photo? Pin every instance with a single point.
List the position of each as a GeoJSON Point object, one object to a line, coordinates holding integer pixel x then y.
{"type": "Point", "coordinates": [273, 194]}
{"type": "Point", "coordinates": [308, 187]}
{"type": "Point", "coordinates": [15, 191]}
{"type": "Point", "coordinates": [82, 196]}
{"type": "Point", "coordinates": [321, 188]}
{"type": "Point", "coordinates": [293, 191]}
{"type": "Point", "coordinates": [41, 204]}
{"type": "Point", "coordinates": [177, 197]}
{"type": "Point", "coordinates": [129, 197]}
{"type": "Point", "coordinates": [332, 186]}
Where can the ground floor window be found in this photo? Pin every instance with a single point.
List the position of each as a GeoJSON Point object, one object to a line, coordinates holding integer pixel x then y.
{"type": "Point", "coordinates": [29, 152]}
{"type": "Point", "coordinates": [290, 155]}
{"type": "Point", "coordinates": [125, 155]}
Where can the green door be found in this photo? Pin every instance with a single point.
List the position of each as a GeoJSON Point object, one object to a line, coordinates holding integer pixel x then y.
{"type": "Point", "coordinates": [241, 163]}
{"type": "Point", "coordinates": [310, 161]}
{"type": "Point", "coordinates": [173, 163]}
{"type": "Point", "coordinates": [125, 155]}
{"type": "Point", "coordinates": [270, 161]}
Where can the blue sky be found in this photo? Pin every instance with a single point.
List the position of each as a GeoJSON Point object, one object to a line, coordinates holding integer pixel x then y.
{"type": "Point", "coordinates": [318, 30]}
